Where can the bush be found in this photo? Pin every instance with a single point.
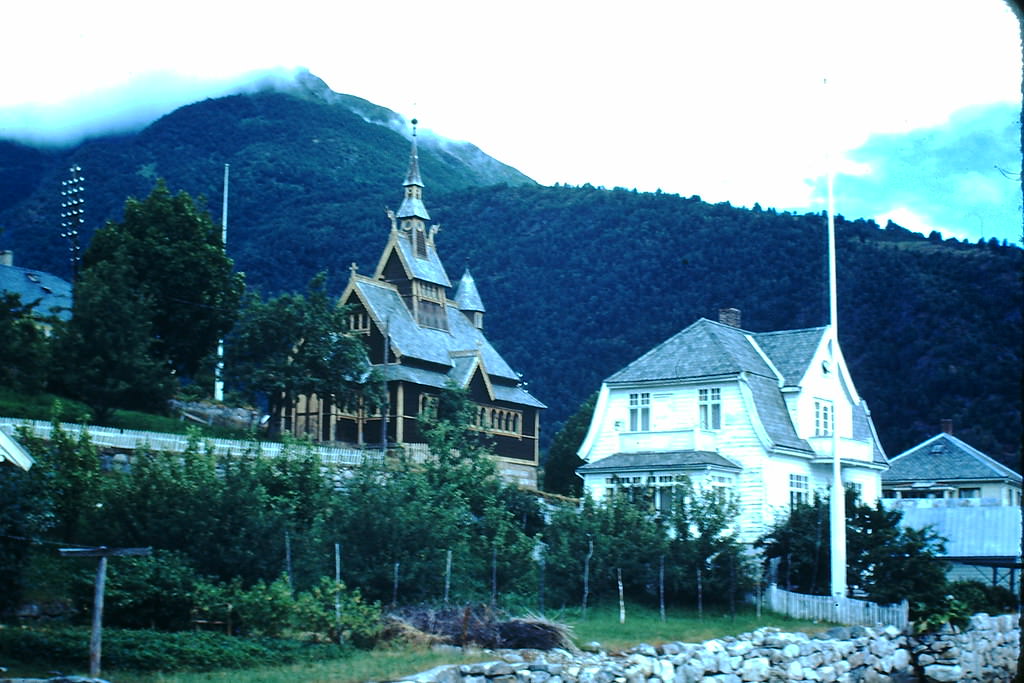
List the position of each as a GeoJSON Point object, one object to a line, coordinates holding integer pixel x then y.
{"type": "Point", "coordinates": [981, 597]}
{"type": "Point", "coordinates": [128, 650]}
{"type": "Point", "coordinates": [360, 622]}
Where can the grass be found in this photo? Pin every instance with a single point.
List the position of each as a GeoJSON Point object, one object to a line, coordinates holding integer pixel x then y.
{"type": "Point", "coordinates": [644, 625]}
{"type": "Point", "coordinates": [392, 662]}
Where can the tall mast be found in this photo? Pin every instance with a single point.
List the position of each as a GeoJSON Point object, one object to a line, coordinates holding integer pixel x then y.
{"type": "Point", "coordinates": [837, 500]}
{"type": "Point", "coordinates": [218, 380]}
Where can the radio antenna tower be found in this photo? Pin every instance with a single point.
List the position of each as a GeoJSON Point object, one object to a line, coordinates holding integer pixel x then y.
{"type": "Point", "coordinates": [72, 215]}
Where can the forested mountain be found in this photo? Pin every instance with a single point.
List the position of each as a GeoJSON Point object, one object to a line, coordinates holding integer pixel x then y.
{"type": "Point", "coordinates": [577, 281]}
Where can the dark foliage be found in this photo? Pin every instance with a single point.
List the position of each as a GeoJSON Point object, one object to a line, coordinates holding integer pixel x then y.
{"type": "Point", "coordinates": [577, 281]}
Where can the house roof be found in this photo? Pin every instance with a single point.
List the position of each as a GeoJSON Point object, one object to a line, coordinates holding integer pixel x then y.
{"type": "Point", "coordinates": [52, 293]}
{"type": "Point", "coordinates": [961, 526]}
{"type": "Point", "coordinates": [946, 458]}
{"type": "Point", "coordinates": [660, 460]}
{"type": "Point", "coordinates": [774, 416]}
{"type": "Point", "coordinates": [14, 452]}
{"type": "Point", "coordinates": [704, 349]}
{"type": "Point", "coordinates": [791, 351]}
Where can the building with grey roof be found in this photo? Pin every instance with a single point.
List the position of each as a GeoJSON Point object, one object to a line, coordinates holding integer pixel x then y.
{"type": "Point", "coordinates": [50, 294]}
{"type": "Point", "coordinates": [422, 338]}
{"type": "Point", "coordinates": [750, 412]}
{"type": "Point", "coordinates": [946, 467]}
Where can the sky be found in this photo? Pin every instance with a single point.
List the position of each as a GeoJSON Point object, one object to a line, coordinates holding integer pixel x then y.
{"type": "Point", "coordinates": [914, 105]}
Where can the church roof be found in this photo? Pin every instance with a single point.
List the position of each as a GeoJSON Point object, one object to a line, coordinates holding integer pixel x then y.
{"type": "Point", "coordinates": [467, 296]}
{"type": "Point", "coordinates": [429, 269]}
{"type": "Point", "coordinates": [52, 293]}
{"type": "Point", "coordinates": [946, 458]}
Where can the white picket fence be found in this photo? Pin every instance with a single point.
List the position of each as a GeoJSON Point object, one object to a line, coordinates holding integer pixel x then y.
{"type": "Point", "coordinates": [849, 611]}
{"type": "Point", "coordinates": [131, 440]}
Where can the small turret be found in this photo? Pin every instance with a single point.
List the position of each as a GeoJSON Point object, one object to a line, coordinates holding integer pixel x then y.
{"type": "Point", "coordinates": [468, 299]}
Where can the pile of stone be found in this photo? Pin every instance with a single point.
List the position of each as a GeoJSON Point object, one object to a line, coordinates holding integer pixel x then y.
{"type": "Point", "coordinates": [984, 652]}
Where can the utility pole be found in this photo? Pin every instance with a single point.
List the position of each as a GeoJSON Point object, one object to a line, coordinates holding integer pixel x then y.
{"type": "Point", "coordinates": [72, 215]}
{"type": "Point", "coordinates": [102, 552]}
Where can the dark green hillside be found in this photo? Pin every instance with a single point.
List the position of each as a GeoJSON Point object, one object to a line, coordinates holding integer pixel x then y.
{"type": "Point", "coordinates": [308, 178]}
{"type": "Point", "coordinates": [577, 281]}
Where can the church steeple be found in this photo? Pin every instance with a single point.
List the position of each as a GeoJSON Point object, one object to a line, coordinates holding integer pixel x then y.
{"type": "Point", "coordinates": [468, 299]}
{"type": "Point", "coordinates": [412, 212]}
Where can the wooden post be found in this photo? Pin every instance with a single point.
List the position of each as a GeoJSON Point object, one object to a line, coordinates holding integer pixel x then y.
{"type": "Point", "coordinates": [96, 637]}
{"type": "Point", "coordinates": [700, 595]}
{"type": "Point", "coordinates": [102, 552]}
{"type": "Point", "coordinates": [447, 576]}
{"type": "Point", "coordinates": [288, 560]}
{"type": "Point", "coordinates": [394, 586]}
{"type": "Point", "coordinates": [622, 603]}
{"type": "Point", "coordinates": [661, 587]}
{"type": "Point", "coordinates": [586, 574]}
{"type": "Point", "coordinates": [494, 575]}
{"type": "Point", "coordinates": [337, 590]}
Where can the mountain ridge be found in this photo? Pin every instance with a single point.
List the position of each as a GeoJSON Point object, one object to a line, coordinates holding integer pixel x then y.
{"type": "Point", "coordinates": [577, 281]}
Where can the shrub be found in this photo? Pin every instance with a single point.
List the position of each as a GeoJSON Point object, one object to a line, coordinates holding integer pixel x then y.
{"type": "Point", "coordinates": [356, 621]}
{"type": "Point", "coordinates": [981, 597]}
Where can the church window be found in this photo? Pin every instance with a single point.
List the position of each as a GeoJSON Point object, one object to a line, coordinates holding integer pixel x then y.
{"type": "Point", "coordinates": [428, 406]}
{"type": "Point", "coordinates": [640, 412]}
{"type": "Point", "coordinates": [710, 402]}
{"type": "Point", "coordinates": [359, 321]}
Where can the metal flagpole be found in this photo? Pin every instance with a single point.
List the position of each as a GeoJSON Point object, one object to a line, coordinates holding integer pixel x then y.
{"type": "Point", "coordinates": [218, 383]}
{"type": "Point", "coordinates": [837, 506]}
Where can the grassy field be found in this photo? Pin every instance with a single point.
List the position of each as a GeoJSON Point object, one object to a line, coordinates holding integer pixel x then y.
{"type": "Point", "coordinates": [643, 625]}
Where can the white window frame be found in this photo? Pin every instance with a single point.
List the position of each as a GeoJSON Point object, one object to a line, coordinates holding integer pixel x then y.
{"type": "Point", "coordinates": [710, 402]}
{"type": "Point", "coordinates": [640, 412]}
{"type": "Point", "coordinates": [799, 490]}
{"type": "Point", "coordinates": [824, 417]}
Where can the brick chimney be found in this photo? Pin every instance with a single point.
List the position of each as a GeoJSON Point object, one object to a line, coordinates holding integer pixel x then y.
{"type": "Point", "coordinates": [6, 257]}
{"type": "Point", "coordinates": [947, 426]}
{"type": "Point", "coordinates": [729, 316]}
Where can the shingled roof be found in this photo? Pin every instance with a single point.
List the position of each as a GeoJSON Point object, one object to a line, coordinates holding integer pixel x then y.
{"type": "Point", "coordinates": [946, 458]}
{"type": "Point", "coordinates": [52, 293]}
{"type": "Point", "coordinates": [660, 460]}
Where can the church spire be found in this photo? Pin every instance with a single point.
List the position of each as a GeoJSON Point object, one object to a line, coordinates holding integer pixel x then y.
{"type": "Point", "coordinates": [412, 203]}
{"type": "Point", "coordinates": [468, 299]}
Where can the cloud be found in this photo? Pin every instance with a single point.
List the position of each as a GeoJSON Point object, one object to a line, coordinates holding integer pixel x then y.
{"type": "Point", "coordinates": [128, 107]}
{"type": "Point", "coordinates": [948, 177]}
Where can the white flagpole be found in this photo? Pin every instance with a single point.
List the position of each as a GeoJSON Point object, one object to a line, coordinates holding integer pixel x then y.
{"type": "Point", "coordinates": [218, 382]}
{"type": "Point", "coordinates": [837, 506]}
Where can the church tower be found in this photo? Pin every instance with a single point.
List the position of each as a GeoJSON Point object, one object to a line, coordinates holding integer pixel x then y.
{"type": "Point", "coordinates": [421, 340]}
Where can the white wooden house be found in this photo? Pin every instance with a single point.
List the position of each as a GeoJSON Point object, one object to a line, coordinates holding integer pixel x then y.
{"type": "Point", "coordinates": [750, 412]}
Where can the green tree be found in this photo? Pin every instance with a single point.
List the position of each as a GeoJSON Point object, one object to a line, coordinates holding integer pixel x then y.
{"type": "Point", "coordinates": [171, 256]}
{"type": "Point", "coordinates": [297, 344]}
{"type": "Point", "coordinates": [562, 461]}
{"type": "Point", "coordinates": [23, 345]}
{"type": "Point", "coordinates": [887, 561]}
{"type": "Point", "coordinates": [106, 354]}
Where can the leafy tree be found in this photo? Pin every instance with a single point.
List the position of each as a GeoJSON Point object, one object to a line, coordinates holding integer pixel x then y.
{"type": "Point", "coordinates": [562, 461]}
{"type": "Point", "coordinates": [887, 561]}
{"type": "Point", "coordinates": [23, 345]}
{"type": "Point", "coordinates": [106, 353]}
{"type": "Point", "coordinates": [297, 344]}
{"type": "Point", "coordinates": [170, 255]}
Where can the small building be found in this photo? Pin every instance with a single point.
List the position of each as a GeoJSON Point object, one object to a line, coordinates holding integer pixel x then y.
{"type": "Point", "coordinates": [50, 294]}
{"type": "Point", "coordinates": [749, 412]}
{"type": "Point", "coordinates": [946, 467]}
{"type": "Point", "coordinates": [423, 335]}
{"type": "Point", "coordinates": [982, 537]}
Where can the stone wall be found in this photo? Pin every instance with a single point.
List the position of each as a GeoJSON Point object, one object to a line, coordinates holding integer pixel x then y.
{"type": "Point", "coordinates": [985, 652]}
